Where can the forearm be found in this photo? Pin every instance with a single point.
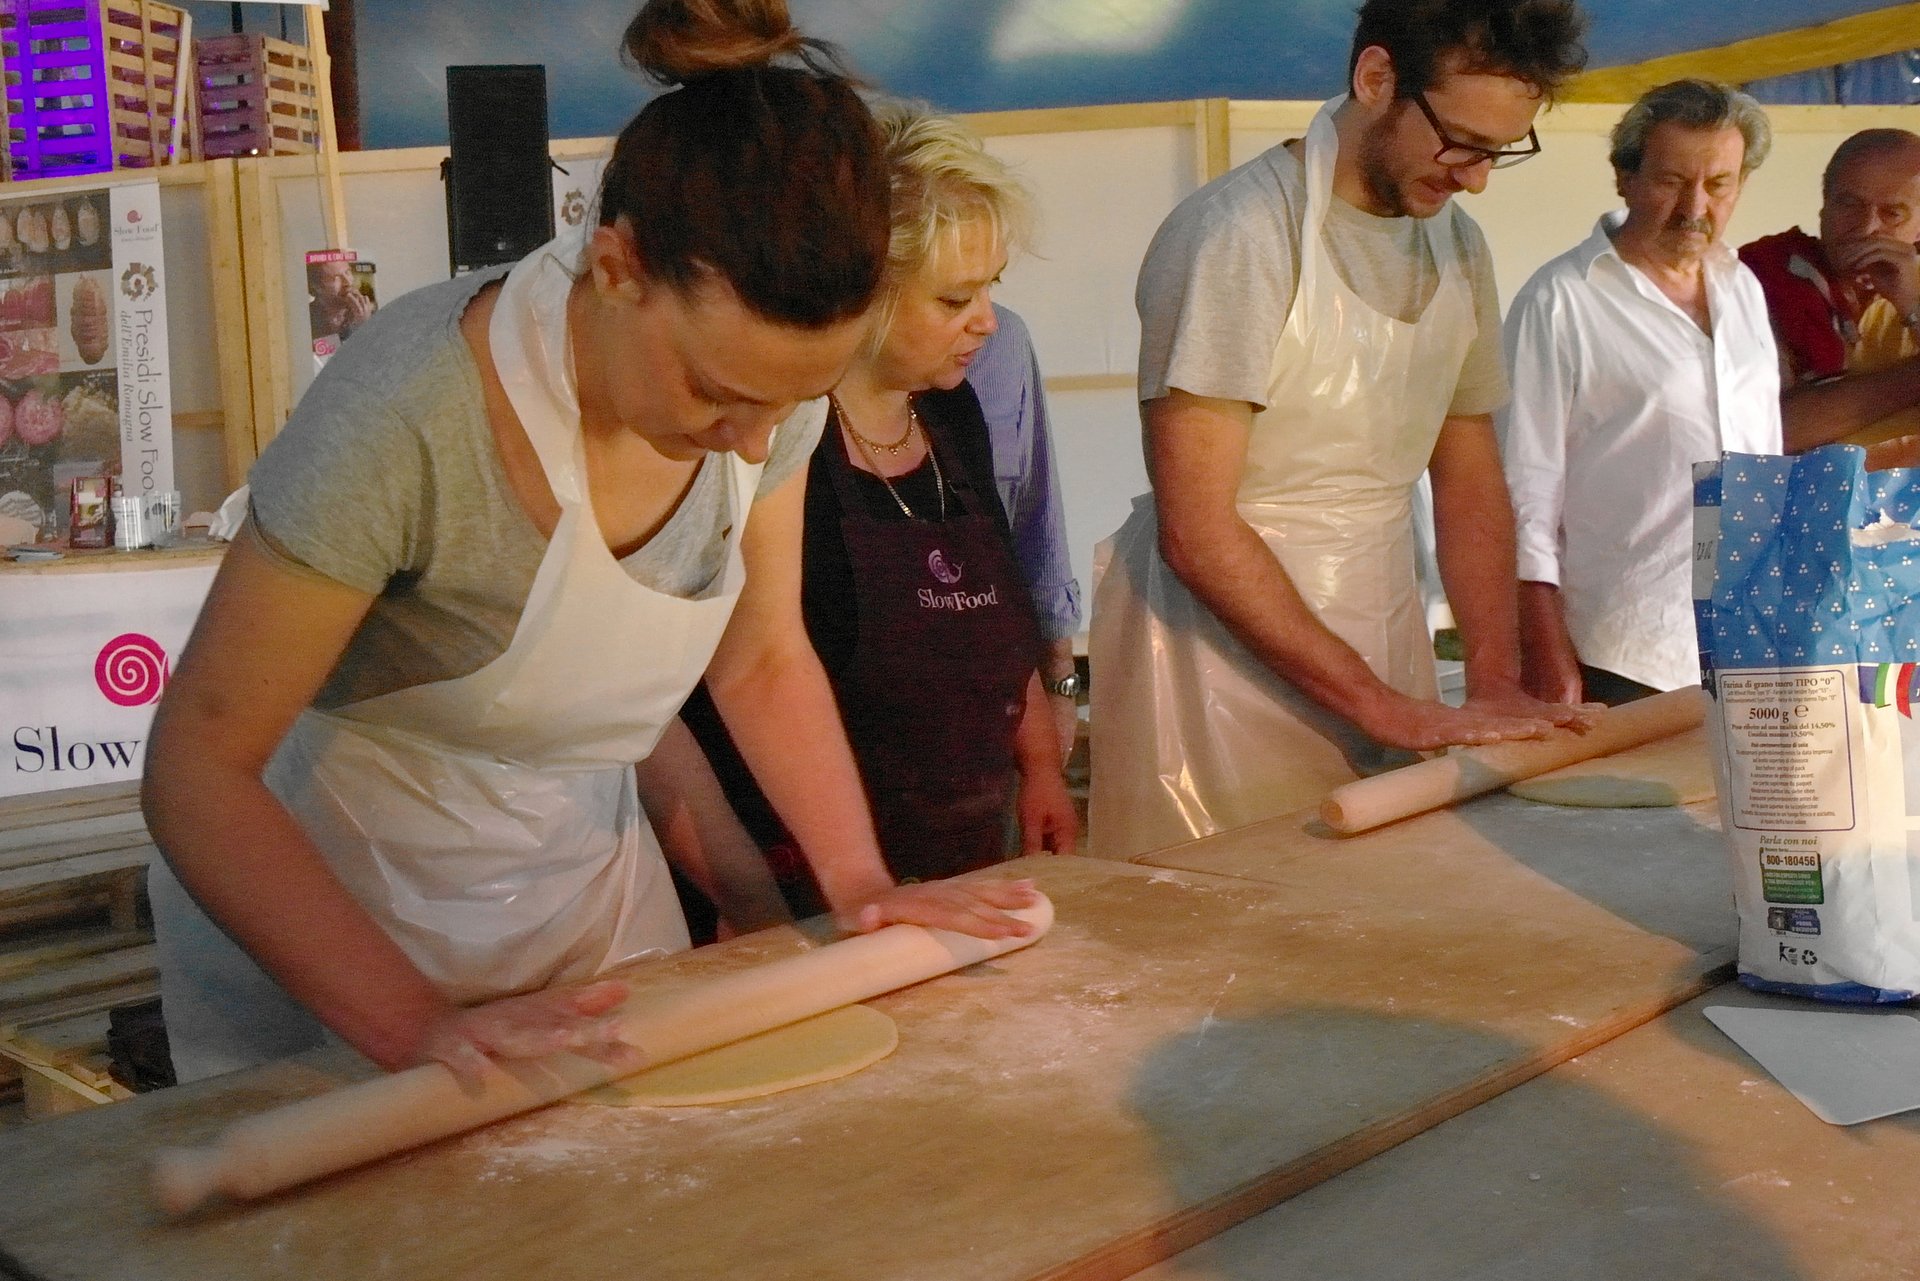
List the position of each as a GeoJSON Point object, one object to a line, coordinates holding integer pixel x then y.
{"type": "Point", "coordinates": [1550, 665]}
{"type": "Point", "coordinates": [1232, 572]}
{"type": "Point", "coordinates": [1196, 451]}
{"type": "Point", "coordinates": [1822, 413]}
{"type": "Point", "coordinates": [1036, 742]}
{"type": "Point", "coordinates": [251, 867]}
{"type": "Point", "coordinates": [1474, 533]}
{"type": "Point", "coordinates": [782, 716]}
{"type": "Point", "coordinates": [702, 837]}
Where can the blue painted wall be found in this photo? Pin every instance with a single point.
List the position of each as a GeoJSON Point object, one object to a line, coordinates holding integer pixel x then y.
{"type": "Point", "coordinates": [963, 55]}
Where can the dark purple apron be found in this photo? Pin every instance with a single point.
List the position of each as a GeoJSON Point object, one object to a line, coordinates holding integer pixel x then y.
{"type": "Point", "coordinates": [936, 686]}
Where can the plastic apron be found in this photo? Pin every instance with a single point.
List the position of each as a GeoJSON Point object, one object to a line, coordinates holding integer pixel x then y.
{"type": "Point", "coordinates": [1193, 734]}
{"type": "Point", "coordinates": [489, 822]}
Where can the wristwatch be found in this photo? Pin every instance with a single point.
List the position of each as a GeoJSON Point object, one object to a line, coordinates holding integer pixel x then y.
{"type": "Point", "coordinates": [1067, 686]}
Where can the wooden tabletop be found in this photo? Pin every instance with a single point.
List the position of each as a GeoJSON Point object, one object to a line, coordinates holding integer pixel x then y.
{"type": "Point", "coordinates": [1662, 869]}
{"type": "Point", "coordinates": [195, 550]}
{"type": "Point", "coordinates": [1184, 1051]}
{"type": "Point", "coordinates": [1667, 1153]}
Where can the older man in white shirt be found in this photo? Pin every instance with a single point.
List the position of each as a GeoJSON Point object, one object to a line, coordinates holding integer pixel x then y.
{"type": "Point", "coordinates": [1639, 352]}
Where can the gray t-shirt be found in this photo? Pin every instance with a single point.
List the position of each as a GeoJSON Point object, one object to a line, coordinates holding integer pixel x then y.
{"type": "Point", "coordinates": [1222, 271]}
{"type": "Point", "coordinates": [386, 479]}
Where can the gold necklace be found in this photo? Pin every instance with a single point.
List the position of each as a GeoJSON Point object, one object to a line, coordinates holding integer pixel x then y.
{"type": "Point", "coordinates": [913, 423]}
{"type": "Point", "coordinates": [893, 450]}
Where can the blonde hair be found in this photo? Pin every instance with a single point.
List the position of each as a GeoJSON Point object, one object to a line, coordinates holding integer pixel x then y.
{"type": "Point", "coordinates": [942, 178]}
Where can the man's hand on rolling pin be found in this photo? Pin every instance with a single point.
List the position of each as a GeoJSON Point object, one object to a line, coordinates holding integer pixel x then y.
{"type": "Point", "coordinates": [1422, 725]}
{"type": "Point", "coordinates": [578, 1019]}
{"type": "Point", "coordinates": [978, 908]}
{"type": "Point", "coordinates": [1566, 714]}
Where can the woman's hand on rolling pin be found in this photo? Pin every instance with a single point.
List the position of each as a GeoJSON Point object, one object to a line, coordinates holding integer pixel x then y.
{"type": "Point", "coordinates": [579, 1020]}
{"type": "Point", "coordinates": [979, 908]}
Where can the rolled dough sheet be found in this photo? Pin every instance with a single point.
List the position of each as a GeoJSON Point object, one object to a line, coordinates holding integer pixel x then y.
{"type": "Point", "coordinates": [1669, 771]}
{"type": "Point", "coordinates": [835, 1044]}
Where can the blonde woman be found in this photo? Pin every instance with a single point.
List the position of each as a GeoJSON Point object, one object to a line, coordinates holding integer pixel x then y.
{"type": "Point", "coordinates": [910, 590]}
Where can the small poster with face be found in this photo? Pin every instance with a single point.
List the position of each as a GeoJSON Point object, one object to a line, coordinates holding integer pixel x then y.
{"type": "Point", "coordinates": [340, 299]}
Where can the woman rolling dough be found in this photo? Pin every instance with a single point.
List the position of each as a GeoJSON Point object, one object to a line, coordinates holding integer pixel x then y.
{"type": "Point", "coordinates": [500, 539]}
{"type": "Point", "coordinates": [911, 594]}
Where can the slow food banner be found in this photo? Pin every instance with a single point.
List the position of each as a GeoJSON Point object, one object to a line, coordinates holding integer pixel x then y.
{"type": "Point", "coordinates": [83, 660]}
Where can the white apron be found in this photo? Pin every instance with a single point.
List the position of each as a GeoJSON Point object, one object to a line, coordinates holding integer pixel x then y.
{"type": "Point", "coordinates": [488, 822]}
{"type": "Point", "coordinates": [1193, 734]}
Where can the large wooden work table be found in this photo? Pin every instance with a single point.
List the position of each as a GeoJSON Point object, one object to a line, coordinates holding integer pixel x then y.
{"type": "Point", "coordinates": [1664, 1154]}
{"type": "Point", "coordinates": [1187, 1049]}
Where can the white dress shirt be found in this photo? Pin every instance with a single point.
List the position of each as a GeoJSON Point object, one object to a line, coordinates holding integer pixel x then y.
{"type": "Point", "coordinates": [1616, 394]}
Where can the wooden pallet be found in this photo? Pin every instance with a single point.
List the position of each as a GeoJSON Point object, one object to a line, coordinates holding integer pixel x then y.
{"type": "Point", "coordinates": [257, 96]}
{"type": "Point", "coordinates": [62, 1066]}
{"type": "Point", "coordinates": [67, 857]}
{"type": "Point", "coordinates": [74, 941]}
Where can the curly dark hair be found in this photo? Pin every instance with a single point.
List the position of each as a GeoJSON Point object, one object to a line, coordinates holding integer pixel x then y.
{"type": "Point", "coordinates": [1537, 41]}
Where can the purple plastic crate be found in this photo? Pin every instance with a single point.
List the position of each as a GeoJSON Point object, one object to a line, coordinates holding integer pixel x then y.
{"type": "Point", "coordinates": [59, 106]}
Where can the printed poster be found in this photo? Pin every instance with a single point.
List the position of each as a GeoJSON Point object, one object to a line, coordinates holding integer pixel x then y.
{"type": "Point", "coordinates": [340, 299]}
{"type": "Point", "coordinates": [83, 347]}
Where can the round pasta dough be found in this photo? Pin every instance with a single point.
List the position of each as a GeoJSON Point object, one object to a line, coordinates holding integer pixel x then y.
{"type": "Point", "coordinates": [835, 1044]}
{"type": "Point", "coordinates": [1670, 771]}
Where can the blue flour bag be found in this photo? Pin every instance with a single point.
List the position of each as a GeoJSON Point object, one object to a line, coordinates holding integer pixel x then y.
{"type": "Point", "coordinates": [1805, 583]}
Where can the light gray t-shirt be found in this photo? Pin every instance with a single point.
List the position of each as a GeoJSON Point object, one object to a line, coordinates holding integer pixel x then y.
{"type": "Point", "coordinates": [386, 479]}
{"type": "Point", "coordinates": [1222, 271]}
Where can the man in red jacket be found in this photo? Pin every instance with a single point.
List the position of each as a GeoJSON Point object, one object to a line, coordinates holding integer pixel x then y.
{"type": "Point", "coordinates": [1846, 305]}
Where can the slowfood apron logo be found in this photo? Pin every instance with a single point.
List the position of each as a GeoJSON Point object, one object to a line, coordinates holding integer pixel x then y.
{"type": "Point", "coordinates": [948, 573]}
{"type": "Point", "coordinates": [132, 670]}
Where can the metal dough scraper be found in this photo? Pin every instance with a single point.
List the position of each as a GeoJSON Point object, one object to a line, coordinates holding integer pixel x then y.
{"type": "Point", "coordinates": [1847, 1066]}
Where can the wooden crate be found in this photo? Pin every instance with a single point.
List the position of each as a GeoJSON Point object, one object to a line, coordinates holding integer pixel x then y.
{"type": "Point", "coordinates": [63, 1065]}
{"type": "Point", "coordinates": [92, 85]}
{"type": "Point", "coordinates": [75, 942]}
{"type": "Point", "coordinates": [257, 96]}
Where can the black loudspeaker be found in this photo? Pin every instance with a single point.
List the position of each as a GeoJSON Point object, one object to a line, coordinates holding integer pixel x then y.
{"type": "Point", "coordinates": [499, 197]}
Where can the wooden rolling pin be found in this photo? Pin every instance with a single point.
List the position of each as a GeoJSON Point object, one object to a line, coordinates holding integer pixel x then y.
{"type": "Point", "coordinates": [1469, 771]}
{"type": "Point", "coordinates": [376, 1118]}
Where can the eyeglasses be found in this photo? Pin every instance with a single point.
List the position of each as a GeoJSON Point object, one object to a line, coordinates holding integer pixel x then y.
{"type": "Point", "coordinates": [1455, 154]}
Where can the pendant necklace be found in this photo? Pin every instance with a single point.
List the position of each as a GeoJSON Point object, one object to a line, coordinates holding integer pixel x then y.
{"type": "Point", "coordinates": [867, 447]}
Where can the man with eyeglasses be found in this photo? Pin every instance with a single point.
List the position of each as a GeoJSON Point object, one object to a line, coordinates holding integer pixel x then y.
{"type": "Point", "coordinates": [1319, 329]}
{"type": "Point", "coordinates": [1637, 353]}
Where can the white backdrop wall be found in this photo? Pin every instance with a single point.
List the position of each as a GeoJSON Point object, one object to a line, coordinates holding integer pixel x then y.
{"type": "Point", "coordinates": [1543, 207]}
{"type": "Point", "coordinates": [1104, 178]}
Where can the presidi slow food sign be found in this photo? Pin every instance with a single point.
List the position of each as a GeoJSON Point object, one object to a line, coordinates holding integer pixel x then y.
{"type": "Point", "coordinates": [84, 386]}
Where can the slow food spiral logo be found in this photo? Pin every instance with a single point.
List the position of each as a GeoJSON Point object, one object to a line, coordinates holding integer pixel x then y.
{"type": "Point", "coordinates": [132, 670]}
{"type": "Point", "coordinates": [937, 566]}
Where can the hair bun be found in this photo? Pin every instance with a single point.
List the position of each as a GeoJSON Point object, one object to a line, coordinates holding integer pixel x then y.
{"type": "Point", "coordinates": [675, 41]}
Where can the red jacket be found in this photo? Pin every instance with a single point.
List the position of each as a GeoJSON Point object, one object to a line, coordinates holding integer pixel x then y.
{"type": "Point", "coordinates": [1810, 319]}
